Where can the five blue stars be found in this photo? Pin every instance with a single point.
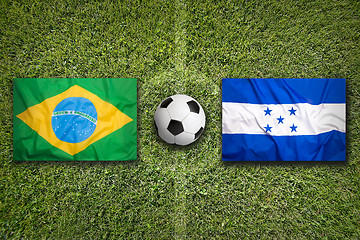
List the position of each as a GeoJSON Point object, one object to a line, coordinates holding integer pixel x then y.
{"type": "Point", "coordinates": [280, 120]}
{"type": "Point", "coordinates": [292, 111]}
{"type": "Point", "coordinates": [293, 128]}
{"type": "Point", "coordinates": [268, 128]}
{"type": "Point", "coordinates": [267, 111]}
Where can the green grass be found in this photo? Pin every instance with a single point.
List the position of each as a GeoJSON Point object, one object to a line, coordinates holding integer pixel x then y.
{"type": "Point", "coordinates": [185, 47]}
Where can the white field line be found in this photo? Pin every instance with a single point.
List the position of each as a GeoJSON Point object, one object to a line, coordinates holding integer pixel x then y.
{"type": "Point", "coordinates": [180, 217]}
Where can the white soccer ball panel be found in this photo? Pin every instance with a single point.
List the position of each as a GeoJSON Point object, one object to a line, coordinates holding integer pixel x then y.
{"type": "Point", "coordinates": [184, 138]}
{"type": "Point", "coordinates": [181, 98]}
{"type": "Point", "coordinates": [166, 135]}
{"type": "Point", "coordinates": [193, 122]}
{"type": "Point", "coordinates": [178, 110]}
{"type": "Point", "coordinates": [162, 118]}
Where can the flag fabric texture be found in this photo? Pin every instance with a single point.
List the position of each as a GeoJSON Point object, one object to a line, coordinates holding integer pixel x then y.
{"type": "Point", "coordinates": [283, 120]}
{"type": "Point", "coordinates": [75, 119]}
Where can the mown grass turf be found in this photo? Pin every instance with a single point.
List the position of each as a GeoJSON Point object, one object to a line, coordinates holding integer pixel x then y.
{"type": "Point", "coordinates": [180, 47]}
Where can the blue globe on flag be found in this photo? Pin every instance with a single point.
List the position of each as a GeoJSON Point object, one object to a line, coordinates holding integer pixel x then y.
{"type": "Point", "coordinates": [74, 119]}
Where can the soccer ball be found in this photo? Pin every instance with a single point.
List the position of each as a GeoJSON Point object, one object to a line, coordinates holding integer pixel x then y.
{"type": "Point", "coordinates": [179, 120]}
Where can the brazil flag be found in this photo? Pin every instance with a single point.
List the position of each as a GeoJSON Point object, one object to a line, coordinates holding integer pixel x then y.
{"type": "Point", "coordinates": [75, 119]}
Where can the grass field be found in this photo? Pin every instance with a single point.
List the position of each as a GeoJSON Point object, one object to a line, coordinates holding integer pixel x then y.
{"type": "Point", "coordinates": [187, 47]}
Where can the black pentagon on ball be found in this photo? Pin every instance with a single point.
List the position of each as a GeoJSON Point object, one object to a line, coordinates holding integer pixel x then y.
{"type": "Point", "coordinates": [194, 107]}
{"type": "Point", "coordinates": [175, 127]}
{"type": "Point", "coordinates": [166, 102]}
{"type": "Point", "coordinates": [197, 135]}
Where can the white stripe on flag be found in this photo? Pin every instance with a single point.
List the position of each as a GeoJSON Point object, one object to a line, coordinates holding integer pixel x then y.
{"type": "Point", "coordinates": [246, 118]}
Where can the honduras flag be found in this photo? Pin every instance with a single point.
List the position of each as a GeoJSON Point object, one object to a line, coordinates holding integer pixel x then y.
{"type": "Point", "coordinates": [283, 120]}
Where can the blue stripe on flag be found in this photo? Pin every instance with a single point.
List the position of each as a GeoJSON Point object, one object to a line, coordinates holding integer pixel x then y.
{"type": "Point", "coordinates": [329, 146]}
{"type": "Point", "coordinates": [284, 91]}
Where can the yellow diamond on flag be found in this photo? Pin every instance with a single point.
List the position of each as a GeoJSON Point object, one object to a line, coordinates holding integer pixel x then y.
{"type": "Point", "coordinates": [74, 119]}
